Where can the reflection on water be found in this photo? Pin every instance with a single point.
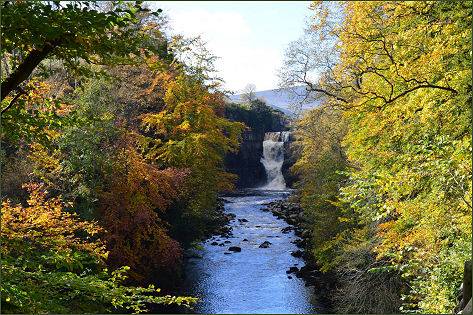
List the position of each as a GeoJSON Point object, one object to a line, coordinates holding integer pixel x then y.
{"type": "Point", "coordinates": [255, 279]}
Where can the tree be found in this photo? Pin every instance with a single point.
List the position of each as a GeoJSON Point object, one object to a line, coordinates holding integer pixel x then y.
{"type": "Point", "coordinates": [257, 116]}
{"type": "Point", "coordinates": [400, 73]}
{"type": "Point", "coordinates": [75, 33]}
{"type": "Point", "coordinates": [319, 134]}
{"type": "Point", "coordinates": [196, 60]}
{"type": "Point", "coordinates": [374, 57]}
{"type": "Point", "coordinates": [248, 94]}
{"type": "Point", "coordinates": [123, 151]}
{"type": "Point", "coordinates": [54, 262]}
{"type": "Point", "coordinates": [131, 207]}
{"type": "Point", "coordinates": [191, 132]}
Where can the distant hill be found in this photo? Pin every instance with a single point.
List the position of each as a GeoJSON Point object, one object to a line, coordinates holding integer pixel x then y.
{"type": "Point", "coordinates": [284, 100]}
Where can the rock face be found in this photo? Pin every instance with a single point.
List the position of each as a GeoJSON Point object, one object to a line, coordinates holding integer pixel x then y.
{"type": "Point", "coordinates": [246, 162]}
{"type": "Point", "coordinates": [297, 253]}
{"type": "Point", "coordinates": [292, 270]}
{"type": "Point", "coordinates": [287, 229]}
{"type": "Point", "coordinates": [290, 157]}
{"type": "Point", "coordinates": [259, 118]}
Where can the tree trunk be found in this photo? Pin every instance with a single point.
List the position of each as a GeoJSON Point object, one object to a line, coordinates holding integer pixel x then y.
{"type": "Point", "coordinates": [467, 283]}
{"type": "Point", "coordinates": [25, 69]}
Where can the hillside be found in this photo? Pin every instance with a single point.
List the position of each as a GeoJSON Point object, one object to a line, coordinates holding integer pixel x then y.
{"type": "Point", "coordinates": [286, 100]}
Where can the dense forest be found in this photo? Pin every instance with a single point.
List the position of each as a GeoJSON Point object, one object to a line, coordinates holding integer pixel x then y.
{"type": "Point", "coordinates": [385, 161]}
{"type": "Point", "coordinates": [116, 140]}
{"type": "Point", "coordinates": [112, 155]}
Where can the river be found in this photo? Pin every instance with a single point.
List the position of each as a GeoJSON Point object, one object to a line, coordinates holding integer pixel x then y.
{"type": "Point", "coordinates": [255, 279]}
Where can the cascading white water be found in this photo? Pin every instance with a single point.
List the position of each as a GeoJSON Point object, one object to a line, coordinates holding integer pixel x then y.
{"type": "Point", "coordinates": [273, 159]}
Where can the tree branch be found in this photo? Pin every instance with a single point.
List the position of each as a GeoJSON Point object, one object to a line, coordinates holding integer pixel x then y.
{"type": "Point", "coordinates": [421, 87]}
{"type": "Point", "coordinates": [13, 101]}
{"type": "Point", "coordinates": [25, 69]}
{"type": "Point", "coordinates": [316, 89]}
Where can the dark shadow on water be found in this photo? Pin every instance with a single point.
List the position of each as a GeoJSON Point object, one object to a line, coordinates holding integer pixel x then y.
{"type": "Point", "coordinates": [259, 192]}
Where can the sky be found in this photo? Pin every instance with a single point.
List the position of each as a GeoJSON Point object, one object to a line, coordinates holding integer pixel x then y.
{"type": "Point", "coordinates": [249, 37]}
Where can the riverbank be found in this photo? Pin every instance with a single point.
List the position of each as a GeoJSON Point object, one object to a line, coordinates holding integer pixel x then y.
{"type": "Point", "coordinates": [324, 283]}
{"type": "Point", "coordinates": [249, 269]}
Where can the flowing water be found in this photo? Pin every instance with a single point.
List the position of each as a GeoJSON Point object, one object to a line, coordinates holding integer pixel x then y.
{"type": "Point", "coordinates": [273, 159]}
{"type": "Point", "coordinates": [255, 279]}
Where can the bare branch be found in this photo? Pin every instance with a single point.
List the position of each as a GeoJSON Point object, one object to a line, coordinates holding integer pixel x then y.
{"type": "Point", "coordinates": [14, 99]}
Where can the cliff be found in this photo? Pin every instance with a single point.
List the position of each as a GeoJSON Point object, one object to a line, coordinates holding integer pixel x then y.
{"type": "Point", "coordinates": [260, 119]}
{"type": "Point", "coordinates": [246, 162]}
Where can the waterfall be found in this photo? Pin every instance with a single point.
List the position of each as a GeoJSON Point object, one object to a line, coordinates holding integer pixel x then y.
{"type": "Point", "coordinates": [273, 159]}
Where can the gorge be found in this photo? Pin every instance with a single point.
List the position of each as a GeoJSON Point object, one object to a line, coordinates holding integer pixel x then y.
{"type": "Point", "coordinates": [255, 267]}
{"type": "Point", "coordinates": [139, 174]}
{"type": "Point", "coordinates": [265, 124]}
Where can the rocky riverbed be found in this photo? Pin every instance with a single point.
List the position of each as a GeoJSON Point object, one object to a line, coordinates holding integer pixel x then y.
{"type": "Point", "coordinates": [292, 213]}
{"type": "Point", "coordinates": [254, 265]}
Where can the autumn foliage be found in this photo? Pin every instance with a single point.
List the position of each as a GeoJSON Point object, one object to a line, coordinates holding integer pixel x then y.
{"type": "Point", "coordinates": [390, 193]}
{"type": "Point", "coordinates": [43, 223]}
{"type": "Point", "coordinates": [137, 193]}
{"type": "Point", "coordinates": [48, 252]}
{"type": "Point", "coordinates": [122, 143]}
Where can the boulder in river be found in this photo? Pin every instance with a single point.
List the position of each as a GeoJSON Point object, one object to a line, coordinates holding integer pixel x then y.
{"type": "Point", "coordinates": [297, 253]}
{"type": "Point", "coordinates": [299, 242]}
{"type": "Point", "coordinates": [308, 272]}
{"type": "Point", "coordinates": [245, 240]}
{"type": "Point", "coordinates": [265, 244]}
{"type": "Point", "coordinates": [242, 220]}
{"type": "Point", "coordinates": [234, 249]}
{"type": "Point", "coordinates": [227, 242]}
{"type": "Point", "coordinates": [287, 229]}
{"type": "Point", "coordinates": [214, 243]}
{"type": "Point", "coordinates": [292, 270]}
